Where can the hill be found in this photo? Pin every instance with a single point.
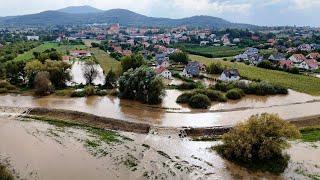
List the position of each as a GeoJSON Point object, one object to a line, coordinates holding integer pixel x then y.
{"type": "Point", "coordinates": [80, 10]}
{"type": "Point", "coordinates": [122, 16]}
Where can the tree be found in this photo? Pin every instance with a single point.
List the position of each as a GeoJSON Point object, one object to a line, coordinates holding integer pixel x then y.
{"type": "Point", "coordinates": [90, 72]}
{"type": "Point", "coordinates": [133, 61]}
{"type": "Point", "coordinates": [111, 80]}
{"type": "Point", "coordinates": [215, 68]}
{"type": "Point", "coordinates": [141, 84]}
{"type": "Point", "coordinates": [58, 71]}
{"type": "Point", "coordinates": [259, 142]}
{"type": "Point", "coordinates": [15, 72]}
{"type": "Point", "coordinates": [32, 68]}
{"type": "Point", "coordinates": [42, 84]}
{"type": "Point", "coordinates": [181, 57]}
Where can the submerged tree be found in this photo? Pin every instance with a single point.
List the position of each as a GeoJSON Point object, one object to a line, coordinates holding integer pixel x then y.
{"type": "Point", "coordinates": [141, 84]}
{"type": "Point", "coordinates": [111, 80]}
{"type": "Point", "coordinates": [90, 72]}
{"type": "Point", "coordinates": [42, 84]}
{"type": "Point", "coordinates": [258, 143]}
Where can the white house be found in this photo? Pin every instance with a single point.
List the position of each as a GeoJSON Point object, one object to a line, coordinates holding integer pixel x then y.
{"type": "Point", "coordinates": [230, 75]}
{"type": "Point", "coordinates": [185, 73]}
{"type": "Point", "coordinates": [162, 71]}
{"type": "Point", "coordinates": [33, 38]}
{"type": "Point", "coordinates": [297, 58]}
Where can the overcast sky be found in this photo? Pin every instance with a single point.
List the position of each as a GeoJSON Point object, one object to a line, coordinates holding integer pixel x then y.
{"type": "Point", "coordinates": [260, 12]}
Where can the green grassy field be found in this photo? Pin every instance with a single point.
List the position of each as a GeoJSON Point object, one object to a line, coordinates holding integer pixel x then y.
{"type": "Point", "coordinates": [48, 45]}
{"type": "Point", "coordinates": [107, 63]}
{"type": "Point", "coordinates": [301, 83]}
{"type": "Point", "coordinates": [310, 134]}
{"type": "Point", "coordinates": [215, 52]}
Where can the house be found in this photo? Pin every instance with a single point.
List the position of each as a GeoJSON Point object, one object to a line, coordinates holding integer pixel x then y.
{"type": "Point", "coordinates": [204, 43]}
{"type": "Point", "coordinates": [312, 64]}
{"type": "Point", "coordinates": [286, 64]}
{"type": "Point", "coordinates": [275, 58]}
{"type": "Point", "coordinates": [126, 52]}
{"type": "Point", "coordinates": [161, 57]}
{"type": "Point", "coordinates": [305, 47]}
{"type": "Point", "coordinates": [297, 58]}
{"type": "Point", "coordinates": [193, 68]}
{"type": "Point", "coordinates": [230, 75]}
{"type": "Point", "coordinates": [165, 64]}
{"type": "Point", "coordinates": [185, 73]}
{"type": "Point", "coordinates": [33, 38]}
{"type": "Point", "coordinates": [251, 51]}
{"type": "Point", "coordinates": [162, 71]}
{"type": "Point", "coordinates": [314, 55]}
{"type": "Point", "coordinates": [80, 53]}
{"type": "Point", "coordinates": [255, 59]}
{"type": "Point", "coordinates": [236, 40]}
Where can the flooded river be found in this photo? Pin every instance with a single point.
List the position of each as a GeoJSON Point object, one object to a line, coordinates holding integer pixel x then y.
{"type": "Point", "coordinates": [169, 113]}
{"type": "Point", "coordinates": [37, 150]}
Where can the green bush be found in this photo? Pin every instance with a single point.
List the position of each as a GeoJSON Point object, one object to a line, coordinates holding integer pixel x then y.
{"type": "Point", "coordinates": [78, 94]}
{"type": "Point", "coordinates": [212, 95]}
{"type": "Point", "coordinates": [190, 86]}
{"type": "Point", "coordinates": [200, 101]}
{"type": "Point", "coordinates": [215, 68]}
{"type": "Point", "coordinates": [257, 144]}
{"type": "Point", "coordinates": [235, 94]}
{"type": "Point", "coordinates": [185, 97]}
{"type": "Point", "coordinates": [89, 90]}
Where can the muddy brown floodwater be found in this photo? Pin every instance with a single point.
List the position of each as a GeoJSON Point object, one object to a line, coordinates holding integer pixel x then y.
{"type": "Point", "coordinates": [37, 150]}
{"type": "Point", "coordinates": [169, 113]}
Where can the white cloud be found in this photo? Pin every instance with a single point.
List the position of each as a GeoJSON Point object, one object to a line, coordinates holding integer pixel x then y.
{"type": "Point", "coordinates": [305, 4]}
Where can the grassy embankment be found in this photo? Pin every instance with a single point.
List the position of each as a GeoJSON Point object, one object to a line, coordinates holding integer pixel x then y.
{"type": "Point", "coordinates": [301, 83]}
{"type": "Point", "coordinates": [48, 45]}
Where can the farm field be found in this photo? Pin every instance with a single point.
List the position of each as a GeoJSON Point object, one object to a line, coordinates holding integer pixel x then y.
{"type": "Point", "coordinates": [107, 63]}
{"type": "Point", "coordinates": [301, 83]}
{"type": "Point", "coordinates": [48, 45]}
{"type": "Point", "coordinates": [214, 52]}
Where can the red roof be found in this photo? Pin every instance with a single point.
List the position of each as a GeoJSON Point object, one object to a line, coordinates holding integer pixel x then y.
{"type": "Point", "coordinates": [160, 69]}
{"type": "Point", "coordinates": [286, 63]}
{"type": "Point", "coordinates": [314, 55]}
{"type": "Point", "coordinates": [300, 57]}
{"type": "Point", "coordinates": [312, 63]}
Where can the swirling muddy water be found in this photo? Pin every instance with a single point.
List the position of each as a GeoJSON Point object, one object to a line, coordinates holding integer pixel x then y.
{"type": "Point", "coordinates": [37, 150]}
{"type": "Point", "coordinates": [169, 113]}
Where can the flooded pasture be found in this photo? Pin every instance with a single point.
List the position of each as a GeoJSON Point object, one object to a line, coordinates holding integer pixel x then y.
{"type": "Point", "coordinates": [66, 152]}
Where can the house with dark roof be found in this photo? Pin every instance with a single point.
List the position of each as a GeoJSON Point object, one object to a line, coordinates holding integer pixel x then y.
{"type": "Point", "coordinates": [160, 58]}
{"type": "Point", "coordinates": [230, 75]}
{"type": "Point", "coordinates": [277, 57]}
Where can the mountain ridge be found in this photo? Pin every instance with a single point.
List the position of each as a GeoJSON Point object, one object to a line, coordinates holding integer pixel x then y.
{"type": "Point", "coordinates": [68, 16]}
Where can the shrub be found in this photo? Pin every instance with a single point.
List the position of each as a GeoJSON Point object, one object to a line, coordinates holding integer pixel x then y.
{"type": "Point", "coordinates": [215, 68]}
{"type": "Point", "coordinates": [258, 143]}
{"type": "Point", "coordinates": [185, 97]}
{"type": "Point", "coordinates": [89, 90]}
{"type": "Point", "coordinates": [42, 84]}
{"type": "Point", "coordinates": [199, 101]}
{"type": "Point", "coordinates": [190, 85]}
{"type": "Point", "coordinates": [235, 94]}
{"type": "Point", "coordinates": [78, 94]}
{"type": "Point", "coordinates": [212, 95]}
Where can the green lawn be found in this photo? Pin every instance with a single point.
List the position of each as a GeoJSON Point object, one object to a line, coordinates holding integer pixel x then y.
{"type": "Point", "coordinates": [48, 45]}
{"type": "Point", "coordinates": [301, 83]}
{"type": "Point", "coordinates": [107, 63]}
{"type": "Point", "coordinates": [215, 52]}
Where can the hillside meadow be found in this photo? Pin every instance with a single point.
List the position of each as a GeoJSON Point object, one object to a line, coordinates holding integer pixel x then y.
{"type": "Point", "coordinates": [301, 83]}
{"type": "Point", "coordinates": [48, 45]}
